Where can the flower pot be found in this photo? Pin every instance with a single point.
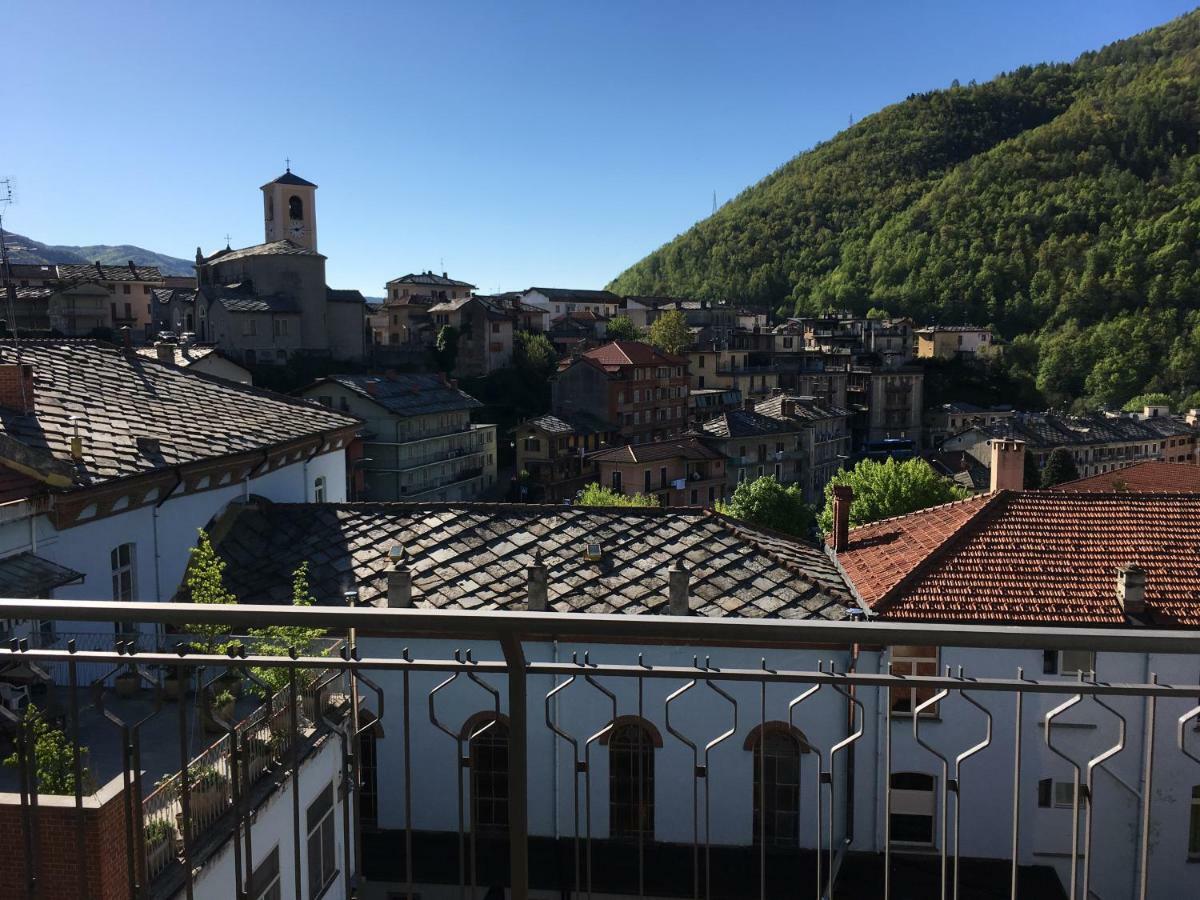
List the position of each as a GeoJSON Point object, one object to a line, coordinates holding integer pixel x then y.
{"type": "Point", "coordinates": [158, 855]}
{"type": "Point", "coordinates": [126, 684]}
{"type": "Point", "coordinates": [231, 682]}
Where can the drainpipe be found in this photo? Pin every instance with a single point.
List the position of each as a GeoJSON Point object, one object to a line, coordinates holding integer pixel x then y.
{"type": "Point", "coordinates": [159, 629]}
{"type": "Point", "coordinates": [254, 473]}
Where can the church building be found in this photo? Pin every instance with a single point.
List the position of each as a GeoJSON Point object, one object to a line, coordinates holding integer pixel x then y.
{"type": "Point", "coordinates": [266, 303]}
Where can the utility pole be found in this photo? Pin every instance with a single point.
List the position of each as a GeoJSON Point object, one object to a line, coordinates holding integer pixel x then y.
{"type": "Point", "coordinates": [10, 289]}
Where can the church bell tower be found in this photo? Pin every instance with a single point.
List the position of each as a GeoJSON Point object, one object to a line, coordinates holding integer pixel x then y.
{"type": "Point", "coordinates": [290, 210]}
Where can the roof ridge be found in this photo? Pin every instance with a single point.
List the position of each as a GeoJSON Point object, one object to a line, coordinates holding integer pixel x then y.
{"type": "Point", "coordinates": [917, 512]}
{"type": "Point", "coordinates": [994, 503]}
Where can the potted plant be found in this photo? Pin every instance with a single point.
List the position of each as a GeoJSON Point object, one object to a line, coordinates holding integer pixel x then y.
{"type": "Point", "coordinates": [207, 795]}
{"type": "Point", "coordinates": [160, 845]}
{"type": "Point", "coordinates": [126, 683]}
{"type": "Point", "coordinates": [218, 706]}
{"type": "Point", "coordinates": [231, 681]}
{"type": "Point", "coordinates": [257, 754]}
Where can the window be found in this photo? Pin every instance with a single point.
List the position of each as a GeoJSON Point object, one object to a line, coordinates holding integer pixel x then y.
{"type": "Point", "coordinates": [124, 579]}
{"type": "Point", "coordinates": [319, 489]}
{"type": "Point", "coordinates": [662, 477]}
{"type": "Point", "coordinates": [321, 865]}
{"type": "Point", "coordinates": [264, 881]}
{"type": "Point", "coordinates": [368, 770]}
{"type": "Point", "coordinates": [777, 787]}
{"type": "Point", "coordinates": [495, 328]}
{"type": "Point", "coordinates": [1194, 825]}
{"type": "Point", "coordinates": [907, 660]}
{"type": "Point", "coordinates": [489, 777]}
{"type": "Point", "coordinates": [145, 288]}
{"type": "Point", "coordinates": [1068, 662]}
{"type": "Point", "coordinates": [533, 445]}
{"type": "Point", "coordinates": [648, 482]}
{"type": "Point", "coordinates": [125, 289]}
{"type": "Point", "coordinates": [616, 482]}
{"type": "Point", "coordinates": [281, 327]}
{"type": "Point", "coordinates": [249, 327]}
{"type": "Point", "coordinates": [913, 808]}
{"type": "Point", "coordinates": [1055, 794]}
{"type": "Point", "coordinates": [695, 497]}
{"type": "Point", "coordinates": [631, 780]}
{"type": "Point", "coordinates": [295, 208]}
{"type": "Point", "coordinates": [326, 401]}
{"type": "Point", "coordinates": [129, 310]}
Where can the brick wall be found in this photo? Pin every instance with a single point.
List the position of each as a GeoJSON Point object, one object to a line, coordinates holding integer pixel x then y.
{"type": "Point", "coordinates": [58, 862]}
{"type": "Point", "coordinates": [16, 387]}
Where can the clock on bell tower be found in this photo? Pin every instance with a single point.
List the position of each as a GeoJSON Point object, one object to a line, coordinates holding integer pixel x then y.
{"type": "Point", "coordinates": [290, 210]}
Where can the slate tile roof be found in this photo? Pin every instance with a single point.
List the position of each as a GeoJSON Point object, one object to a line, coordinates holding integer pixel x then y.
{"type": "Point", "coordinates": [117, 399]}
{"type": "Point", "coordinates": [1047, 431]}
{"type": "Point", "coordinates": [685, 448]}
{"type": "Point", "coordinates": [272, 304]}
{"type": "Point", "coordinates": [405, 394]}
{"type": "Point", "coordinates": [167, 295]}
{"type": "Point", "coordinates": [1047, 557]}
{"type": "Point", "coordinates": [344, 295]}
{"type": "Point", "coordinates": [576, 295]}
{"type": "Point", "coordinates": [430, 278]}
{"type": "Point", "coordinates": [737, 423]}
{"type": "Point", "coordinates": [579, 423]}
{"type": "Point", "coordinates": [1141, 477]}
{"type": "Point", "coordinates": [475, 556]}
{"type": "Point", "coordinates": [97, 272]}
{"type": "Point", "coordinates": [804, 409]}
{"type": "Point", "coordinates": [184, 356]}
{"type": "Point", "coordinates": [289, 178]}
{"type": "Point", "coordinates": [271, 248]}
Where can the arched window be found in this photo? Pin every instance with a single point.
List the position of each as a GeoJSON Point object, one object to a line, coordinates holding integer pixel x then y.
{"type": "Point", "coordinates": [295, 207]}
{"type": "Point", "coordinates": [631, 746]}
{"type": "Point", "coordinates": [777, 747]}
{"type": "Point", "coordinates": [489, 775]}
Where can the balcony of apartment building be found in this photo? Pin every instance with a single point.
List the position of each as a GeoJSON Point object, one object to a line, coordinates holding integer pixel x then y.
{"type": "Point", "coordinates": [429, 450]}
{"type": "Point", "coordinates": [664, 755]}
{"type": "Point", "coordinates": [427, 488]}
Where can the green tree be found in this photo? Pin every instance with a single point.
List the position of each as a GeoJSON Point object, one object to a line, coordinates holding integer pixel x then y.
{"type": "Point", "coordinates": [533, 353]}
{"type": "Point", "coordinates": [595, 495]}
{"type": "Point", "coordinates": [1136, 404]}
{"type": "Point", "coordinates": [889, 488]}
{"type": "Point", "coordinates": [446, 348]}
{"type": "Point", "coordinates": [876, 312]}
{"type": "Point", "coordinates": [1059, 468]}
{"type": "Point", "coordinates": [53, 757]}
{"type": "Point", "coordinates": [669, 332]}
{"type": "Point", "coordinates": [621, 328]}
{"type": "Point", "coordinates": [1032, 478]}
{"type": "Point", "coordinates": [764, 501]}
{"type": "Point", "coordinates": [279, 640]}
{"type": "Point", "coordinates": [205, 581]}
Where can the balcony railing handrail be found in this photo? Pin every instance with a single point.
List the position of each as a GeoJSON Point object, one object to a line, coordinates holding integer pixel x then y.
{"type": "Point", "coordinates": [532, 626]}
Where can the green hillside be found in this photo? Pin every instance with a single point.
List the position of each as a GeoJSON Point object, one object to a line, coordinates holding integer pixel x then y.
{"type": "Point", "coordinates": [27, 250]}
{"type": "Point", "coordinates": [1058, 203]}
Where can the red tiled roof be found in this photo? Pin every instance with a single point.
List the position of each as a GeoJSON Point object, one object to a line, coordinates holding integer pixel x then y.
{"type": "Point", "coordinates": [1032, 557]}
{"type": "Point", "coordinates": [1140, 477]}
{"type": "Point", "coordinates": [631, 353]}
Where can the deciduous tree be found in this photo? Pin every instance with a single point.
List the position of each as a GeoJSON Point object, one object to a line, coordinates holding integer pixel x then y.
{"type": "Point", "coordinates": [889, 488]}
{"type": "Point", "coordinates": [764, 501]}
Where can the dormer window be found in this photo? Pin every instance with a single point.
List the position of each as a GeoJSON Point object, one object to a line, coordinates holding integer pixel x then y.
{"type": "Point", "coordinates": [295, 208]}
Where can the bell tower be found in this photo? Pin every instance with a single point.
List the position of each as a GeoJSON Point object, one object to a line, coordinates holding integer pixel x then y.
{"type": "Point", "coordinates": [290, 210]}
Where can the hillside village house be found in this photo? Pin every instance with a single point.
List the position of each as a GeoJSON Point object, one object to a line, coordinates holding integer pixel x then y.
{"type": "Point", "coordinates": [681, 472]}
{"type": "Point", "coordinates": [640, 391]}
{"type": "Point", "coordinates": [950, 418]}
{"type": "Point", "coordinates": [553, 455]}
{"type": "Point", "coordinates": [485, 333]}
{"type": "Point", "coordinates": [715, 365]}
{"type": "Point", "coordinates": [889, 404]}
{"type": "Point", "coordinates": [419, 442]}
{"type": "Point", "coordinates": [110, 462]}
{"type": "Point", "coordinates": [553, 302]}
{"type": "Point", "coordinates": [405, 318]}
{"type": "Point", "coordinates": [67, 297]}
{"type": "Point", "coordinates": [950, 341]}
{"type": "Point", "coordinates": [266, 303]}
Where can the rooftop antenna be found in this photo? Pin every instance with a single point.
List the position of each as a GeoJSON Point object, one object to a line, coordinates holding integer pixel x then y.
{"type": "Point", "coordinates": [851, 118]}
{"type": "Point", "coordinates": [6, 200]}
{"type": "Point", "coordinates": [714, 202]}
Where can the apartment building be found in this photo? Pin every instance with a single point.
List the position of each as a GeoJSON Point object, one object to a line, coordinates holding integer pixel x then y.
{"type": "Point", "coordinates": [484, 333]}
{"type": "Point", "coordinates": [889, 404]}
{"type": "Point", "coordinates": [950, 418]}
{"type": "Point", "coordinates": [716, 364]}
{"type": "Point", "coordinates": [755, 445]}
{"type": "Point", "coordinates": [824, 445]}
{"type": "Point", "coordinates": [404, 318]}
{"type": "Point", "coordinates": [950, 341]}
{"type": "Point", "coordinates": [640, 391]}
{"type": "Point", "coordinates": [554, 302]}
{"type": "Point", "coordinates": [76, 299]}
{"type": "Point", "coordinates": [553, 462]}
{"type": "Point", "coordinates": [418, 442]}
{"type": "Point", "coordinates": [681, 472]}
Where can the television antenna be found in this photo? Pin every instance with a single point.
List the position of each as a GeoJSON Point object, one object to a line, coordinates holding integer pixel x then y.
{"type": "Point", "coordinates": [714, 212]}
{"type": "Point", "coordinates": [6, 200]}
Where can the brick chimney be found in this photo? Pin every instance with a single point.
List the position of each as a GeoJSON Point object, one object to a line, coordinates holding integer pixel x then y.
{"type": "Point", "coordinates": [127, 338]}
{"type": "Point", "coordinates": [678, 579]}
{"type": "Point", "coordinates": [1131, 590]}
{"type": "Point", "coordinates": [843, 497]}
{"type": "Point", "coordinates": [1008, 464]}
{"type": "Point", "coordinates": [399, 580]}
{"type": "Point", "coordinates": [787, 407]}
{"type": "Point", "coordinates": [748, 404]}
{"type": "Point", "coordinates": [537, 589]}
{"type": "Point", "coordinates": [165, 352]}
{"type": "Point", "coordinates": [16, 387]}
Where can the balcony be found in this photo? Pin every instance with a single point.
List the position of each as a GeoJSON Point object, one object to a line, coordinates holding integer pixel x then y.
{"type": "Point", "coordinates": [628, 758]}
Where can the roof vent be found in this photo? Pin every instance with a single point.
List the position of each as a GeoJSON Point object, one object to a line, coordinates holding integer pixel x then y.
{"type": "Point", "coordinates": [1131, 590]}
{"type": "Point", "coordinates": [594, 551]}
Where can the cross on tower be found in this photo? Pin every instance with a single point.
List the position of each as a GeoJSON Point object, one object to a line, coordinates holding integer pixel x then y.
{"type": "Point", "coordinates": [227, 239]}
{"type": "Point", "coordinates": [288, 163]}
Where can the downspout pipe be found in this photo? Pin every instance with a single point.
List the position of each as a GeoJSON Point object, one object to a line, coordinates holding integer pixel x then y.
{"type": "Point", "coordinates": [154, 531]}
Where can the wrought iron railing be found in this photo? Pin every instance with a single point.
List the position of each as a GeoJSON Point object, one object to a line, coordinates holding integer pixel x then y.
{"type": "Point", "coordinates": [854, 723]}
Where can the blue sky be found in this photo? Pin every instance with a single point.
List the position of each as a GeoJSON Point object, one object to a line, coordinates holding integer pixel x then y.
{"type": "Point", "coordinates": [512, 143]}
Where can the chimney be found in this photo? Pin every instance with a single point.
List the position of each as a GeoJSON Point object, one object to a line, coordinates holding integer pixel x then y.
{"type": "Point", "coordinates": [787, 407]}
{"type": "Point", "coordinates": [444, 275]}
{"type": "Point", "coordinates": [748, 404]}
{"type": "Point", "coordinates": [16, 387]}
{"type": "Point", "coordinates": [1008, 464]}
{"type": "Point", "coordinates": [678, 578]}
{"type": "Point", "coordinates": [536, 592]}
{"type": "Point", "coordinates": [132, 269]}
{"type": "Point", "coordinates": [165, 351]}
{"type": "Point", "coordinates": [126, 337]}
{"type": "Point", "coordinates": [843, 497]}
{"type": "Point", "coordinates": [399, 580]}
{"type": "Point", "coordinates": [76, 440]}
{"type": "Point", "coordinates": [1131, 590]}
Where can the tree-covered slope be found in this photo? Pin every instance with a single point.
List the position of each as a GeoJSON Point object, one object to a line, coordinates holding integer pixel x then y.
{"type": "Point", "coordinates": [27, 250]}
{"type": "Point", "coordinates": [1058, 203]}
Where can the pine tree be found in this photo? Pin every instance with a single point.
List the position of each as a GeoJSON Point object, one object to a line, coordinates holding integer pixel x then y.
{"type": "Point", "coordinates": [1060, 468]}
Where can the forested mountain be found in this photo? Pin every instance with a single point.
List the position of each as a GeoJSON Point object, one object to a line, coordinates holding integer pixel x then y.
{"type": "Point", "coordinates": [27, 250]}
{"type": "Point", "coordinates": [1058, 203]}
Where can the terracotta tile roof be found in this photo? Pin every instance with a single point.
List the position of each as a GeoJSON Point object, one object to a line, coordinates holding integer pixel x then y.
{"type": "Point", "coordinates": [475, 556]}
{"type": "Point", "coordinates": [686, 448]}
{"type": "Point", "coordinates": [1141, 477]}
{"type": "Point", "coordinates": [137, 416]}
{"type": "Point", "coordinates": [631, 353]}
{"type": "Point", "coordinates": [1046, 557]}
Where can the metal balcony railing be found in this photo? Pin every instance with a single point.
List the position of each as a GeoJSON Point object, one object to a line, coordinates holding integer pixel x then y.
{"type": "Point", "coordinates": [856, 720]}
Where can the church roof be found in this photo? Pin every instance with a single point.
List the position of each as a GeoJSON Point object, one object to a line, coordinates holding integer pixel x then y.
{"type": "Point", "coordinates": [288, 178]}
{"type": "Point", "coordinates": [272, 248]}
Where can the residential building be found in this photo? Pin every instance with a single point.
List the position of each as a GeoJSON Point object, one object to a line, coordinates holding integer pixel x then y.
{"type": "Point", "coordinates": [755, 445]}
{"type": "Point", "coordinates": [951, 418]}
{"type": "Point", "coordinates": [1098, 444]}
{"type": "Point", "coordinates": [552, 455]}
{"type": "Point", "coordinates": [66, 297]}
{"type": "Point", "coordinates": [75, 310]}
{"type": "Point", "coordinates": [640, 391]}
{"type": "Point", "coordinates": [203, 358]}
{"type": "Point", "coordinates": [708, 403]}
{"type": "Point", "coordinates": [554, 302]}
{"type": "Point", "coordinates": [1151, 477]}
{"type": "Point", "coordinates": [485, 333]}
{"type": "Point", "coordinates": [419, 442]}
{"type": "Point", "coordinates": [405, 313]}
{"type": "Point", "coordinates": [680, 472]}
{"type": "Point", "coordinates": [427, 285]}
{"type": "Point", "coordinates": [824, 439]}
{"type": "Point", "coordinates": [889, 405]}
{"type": "Point", "coordinates": [111, 462]}
{"type": "Point", "coordinates": [175, 310]}
{"type": "Point", "coordinates": [950, 341]}
{"type": "Point", "coordinates": [717, 365]}
{"type": "Point", "coordinates": [269, 302]}
{"type": "Point", "coordinates": [881, 342]}
{"type": "Point", "coordinates": [960, 467]}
